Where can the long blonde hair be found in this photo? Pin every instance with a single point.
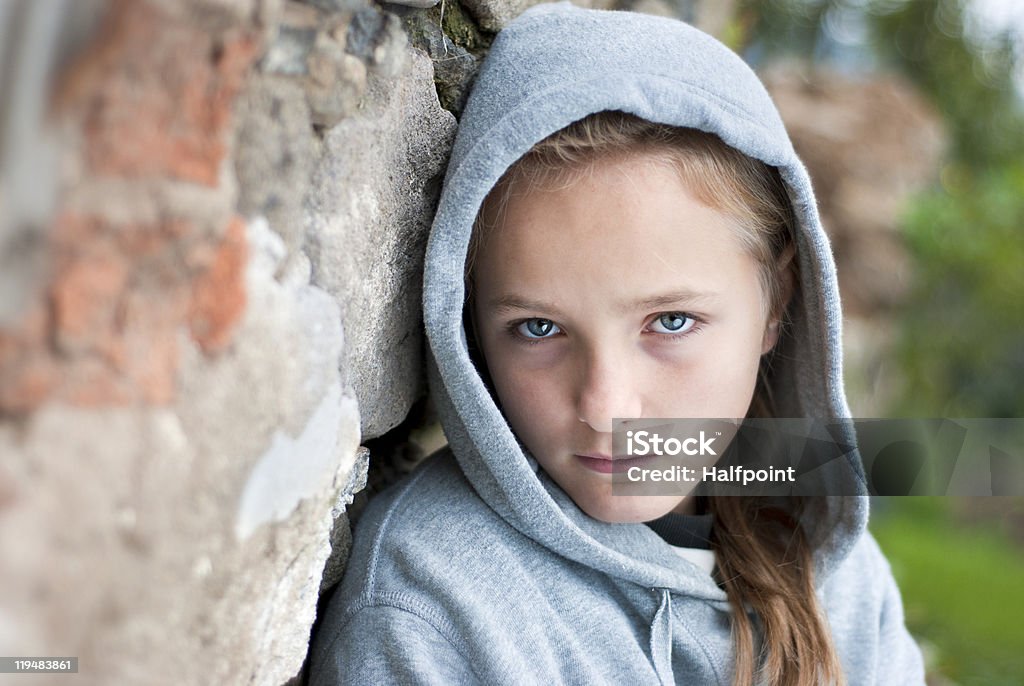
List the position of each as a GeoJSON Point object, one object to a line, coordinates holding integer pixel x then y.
{"type": "Point", "coordinates": [763, 554]}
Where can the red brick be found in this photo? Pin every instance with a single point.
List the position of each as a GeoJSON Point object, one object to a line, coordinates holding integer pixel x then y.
{"type": "Point", "coordinates": [28, 373]}
{"type": "Point", "coordinates": [157, 93]}
{"type": "Point", "coordinates": [85, 301]}
{"type": "Point", "coordinates": [151, 329]}
{"type": "Point", "coordinates": [219, 296]}
{"type": "Point", "coordinates": [118, 300]}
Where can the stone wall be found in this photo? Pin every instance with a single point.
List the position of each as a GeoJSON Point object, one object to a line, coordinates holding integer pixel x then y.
{"type": "Point", "coordinates": [214, 303]}
{"type": "Point", "coordinates": [212, 220]}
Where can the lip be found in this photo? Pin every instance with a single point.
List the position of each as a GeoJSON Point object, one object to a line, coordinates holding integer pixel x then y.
{"type": "Point", "coordinates": [606, 464]}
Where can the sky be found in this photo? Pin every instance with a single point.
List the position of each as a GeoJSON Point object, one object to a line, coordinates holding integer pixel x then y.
{"type": "Point", "coordinates": [986, 20]}
{"type": "Point", "coordinates": [992, 17]}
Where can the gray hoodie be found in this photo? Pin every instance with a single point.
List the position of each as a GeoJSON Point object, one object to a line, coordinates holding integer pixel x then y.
{"type": "Point", "coordinates": [478, 568]}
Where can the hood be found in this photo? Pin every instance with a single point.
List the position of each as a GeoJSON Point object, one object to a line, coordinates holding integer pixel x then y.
{"type": "Point", "coordinates": [553, 65]}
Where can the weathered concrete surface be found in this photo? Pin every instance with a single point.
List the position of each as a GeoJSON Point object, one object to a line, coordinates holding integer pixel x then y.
{"type": "Point", "coordinates": [275, 155]}
{"type": "Point", "coordinates": [174, 562]}
{"type": "Point", "coordinates": [178, 442]}
{"type": "Point", "coordinates": [367, 219]}
{"type": "Point", "coordinates": [341, 533]}
{"type": "Point", "coordinates": [36, 37]}
{"type": "Point", "coordinates": [26, 153]}
{"type": "Point", "coordinates": [455, 63]}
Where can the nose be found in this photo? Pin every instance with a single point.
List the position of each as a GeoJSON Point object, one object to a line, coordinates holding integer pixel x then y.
{"type": "Point", "coordinates": [607, 389]}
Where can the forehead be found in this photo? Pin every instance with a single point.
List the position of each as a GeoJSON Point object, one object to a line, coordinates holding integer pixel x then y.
{"type": "Point", "coordinates": [636, 201]}
{"type": "Point", "coordinates": [629, 223]}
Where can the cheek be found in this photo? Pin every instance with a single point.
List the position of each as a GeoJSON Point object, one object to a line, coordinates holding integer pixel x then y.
{"type": "Point", "coordinates": [738, 378]}
{"type": "Point", "coordinates": [531, 394]}
{"type": "Point", "coordinates": [528, 393]}
{"type": "Point", "coordinates": [714, 377]}
{"type": "Point", "coordinates": [536, 411]}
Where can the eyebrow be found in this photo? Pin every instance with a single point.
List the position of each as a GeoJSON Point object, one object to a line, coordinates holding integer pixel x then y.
{"type": "Point", "coordinates": [686, 296]}
{"type": "Point", "coordinates": [512, 302]}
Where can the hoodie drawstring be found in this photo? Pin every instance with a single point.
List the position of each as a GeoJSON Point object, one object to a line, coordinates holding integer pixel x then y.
{"type": "Point", "coordinates": [661, 640]}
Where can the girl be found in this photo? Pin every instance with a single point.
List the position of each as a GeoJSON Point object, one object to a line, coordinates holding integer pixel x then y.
{"type": "Point", "coordinates": [625, 232]}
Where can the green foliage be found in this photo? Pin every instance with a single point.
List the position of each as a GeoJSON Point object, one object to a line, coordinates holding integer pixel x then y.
{"type": "Point", "coordinates": [961, 587]}
{"type": "Point", "coordinates": [962, 340]}
{"type": "Point", "coordinates": [968, 79]}
{"type": "Point", "coordinates": [784, 27]}
{"type": "Point", "coordinates": [971, 82]}
{"type": "Point", "coordinates": [962, 346]}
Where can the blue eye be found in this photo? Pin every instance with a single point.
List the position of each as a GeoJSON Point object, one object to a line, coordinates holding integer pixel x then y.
{"type": "Point", "coordinates": [673, 322]}
{"type": "Point", "coordinates": [537, 328]}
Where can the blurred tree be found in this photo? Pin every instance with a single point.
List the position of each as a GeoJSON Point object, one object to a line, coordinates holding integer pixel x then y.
{"type": "Point", "coordinates": [971, 80]}
{"type": "Point", "coordinates": [962, 340]}
{"type": "Point", "coordinates": [780, 28]}
{"type": "Point", "coordinates": [962, 348]}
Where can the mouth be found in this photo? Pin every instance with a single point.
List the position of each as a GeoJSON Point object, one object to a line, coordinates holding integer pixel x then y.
{"type": "Point", "coordinates": [607, 464]}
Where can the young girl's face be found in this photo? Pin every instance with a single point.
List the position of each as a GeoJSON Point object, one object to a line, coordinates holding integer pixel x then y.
{"type": "Point", "coordinates": [619, 296]}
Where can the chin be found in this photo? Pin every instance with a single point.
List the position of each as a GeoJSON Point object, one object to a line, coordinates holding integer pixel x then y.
{"type": "Point", "coordinates": [629, 509]}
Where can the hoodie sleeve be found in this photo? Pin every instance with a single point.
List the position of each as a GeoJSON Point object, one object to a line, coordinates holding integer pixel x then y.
{"type": "Point", "coordinates": [899, 657]}
{"type": "Point", "coordinates": [382, 644]}
{"type": "Point", "coordinates": [866, 614]}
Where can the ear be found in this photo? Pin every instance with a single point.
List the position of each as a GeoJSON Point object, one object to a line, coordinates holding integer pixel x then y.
{"type": "Point", "coordinates": [771, 337]}
{"type": "Point", "coordinates": [785, 273]}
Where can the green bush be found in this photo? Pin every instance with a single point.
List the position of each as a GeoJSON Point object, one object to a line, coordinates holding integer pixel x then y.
{"type": "Point", "coordinates": [961, 588]}
{"type": "Point", "coordinates": [962, 343]}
